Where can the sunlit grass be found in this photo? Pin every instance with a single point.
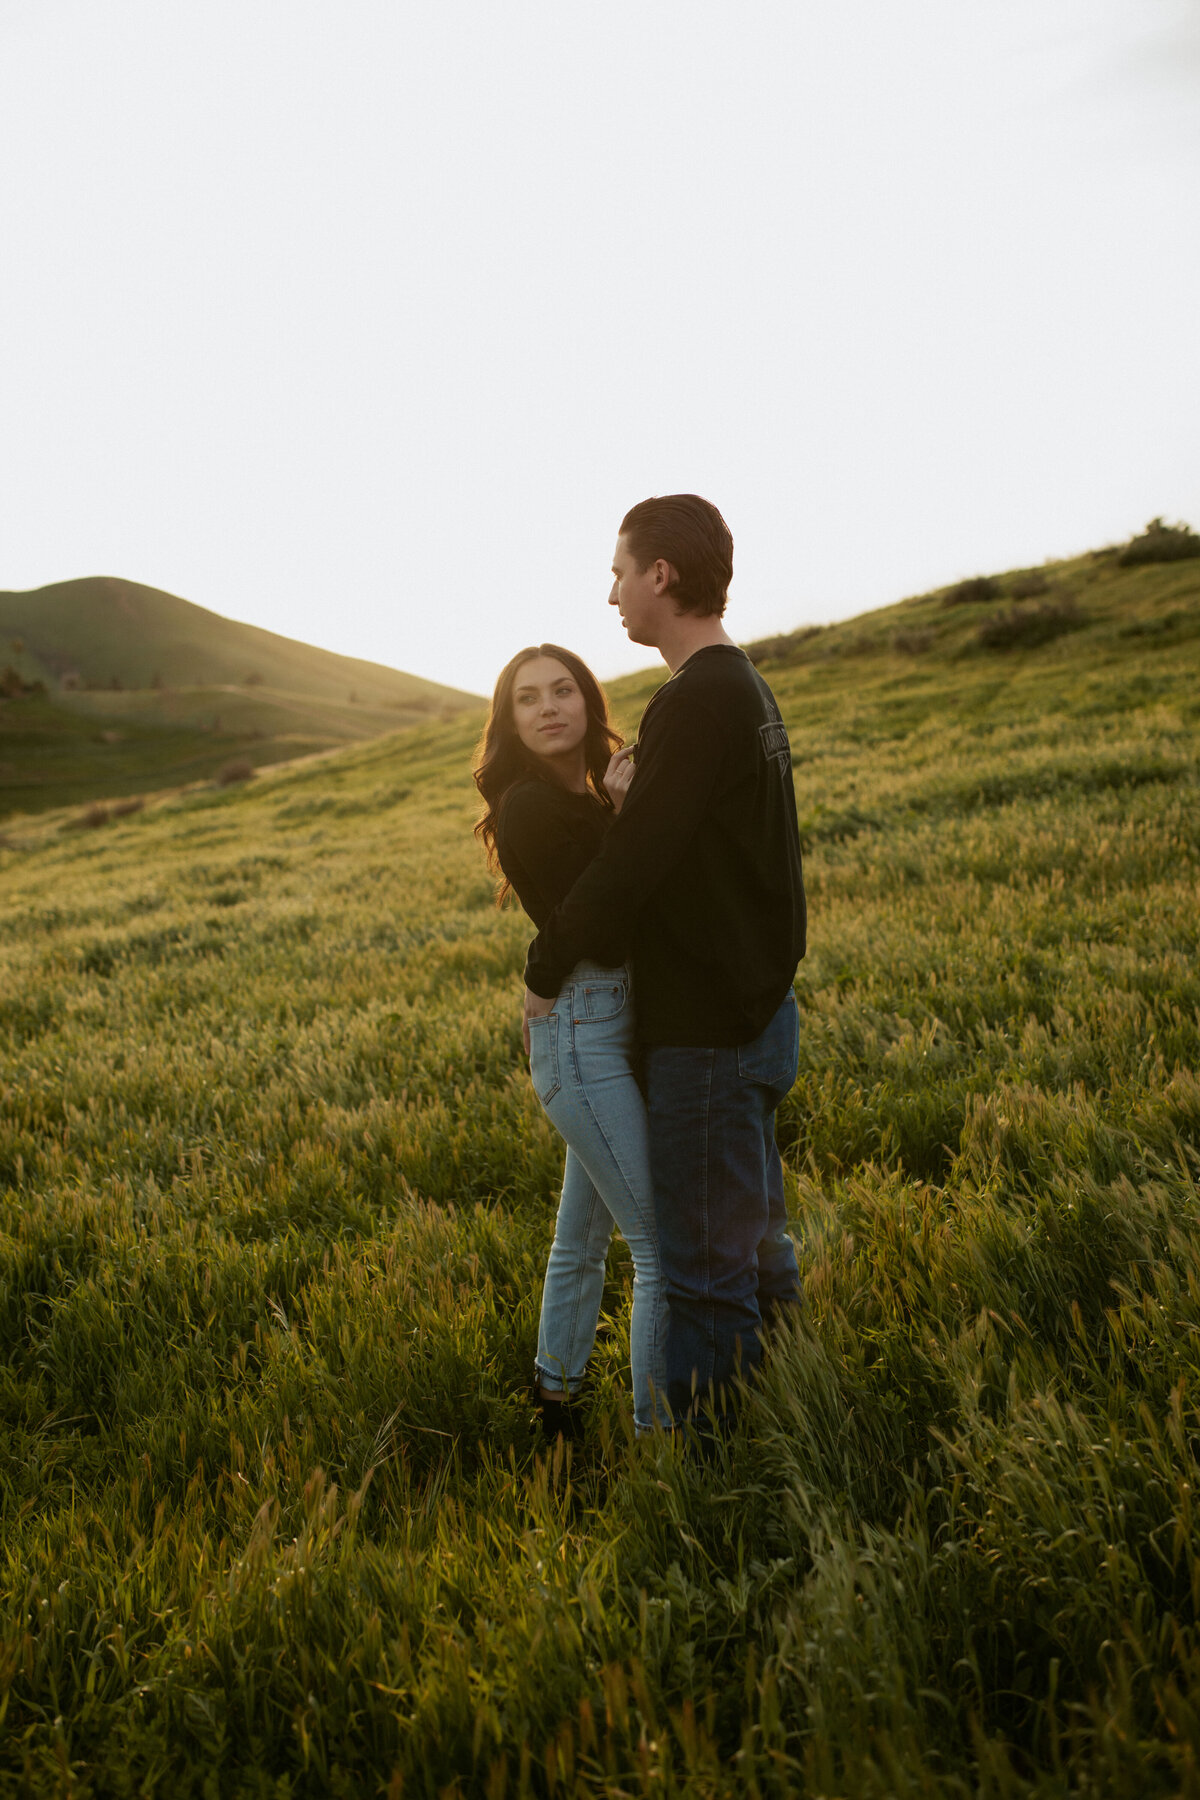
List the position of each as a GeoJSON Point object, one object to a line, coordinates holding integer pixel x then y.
{"type": "Point", "coordinates": [276, 1205]}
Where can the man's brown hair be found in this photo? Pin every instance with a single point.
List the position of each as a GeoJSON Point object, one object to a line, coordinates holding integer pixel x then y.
{"type": "Point", "coordinates": [691, 535]}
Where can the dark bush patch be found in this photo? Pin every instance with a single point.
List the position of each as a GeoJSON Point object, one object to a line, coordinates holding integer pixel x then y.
{"type": "Point", "coordinates": [1029, 585]}
{"type": "Point", "coordinates": [975, 588]}
{"type": "Point", "coordinates": [913, 640]}
{"type": "Point", "coordinates": [1160, 543]}
{"type": "Point", "coordinates": [238, 770]}
{"type": "Point", "coordinates": [783, 645]}
{"type": "Point", "coordinates": [88, 820]}
{"type": "Point", "coordinates": [1028, 625]}
{"type": "Point", "coordinates": [1156, 628]}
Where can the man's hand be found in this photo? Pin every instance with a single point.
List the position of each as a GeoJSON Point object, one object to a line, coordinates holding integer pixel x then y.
{"type": "Point", "coordinates": [535, 1008]}
{"type": "Point", "coordinates": [618, 776]}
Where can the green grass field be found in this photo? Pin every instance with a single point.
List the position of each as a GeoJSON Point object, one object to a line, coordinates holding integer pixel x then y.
{"type": "Point", "coordinates": [277, 1199]}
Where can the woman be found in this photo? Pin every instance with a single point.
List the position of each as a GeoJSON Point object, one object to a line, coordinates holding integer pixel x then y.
{"type": "Point", "coordinates": [551, 783]}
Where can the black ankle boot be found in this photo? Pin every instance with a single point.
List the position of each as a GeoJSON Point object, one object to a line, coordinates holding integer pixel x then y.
{"type": "Point", "coordinates": [559, 1419]}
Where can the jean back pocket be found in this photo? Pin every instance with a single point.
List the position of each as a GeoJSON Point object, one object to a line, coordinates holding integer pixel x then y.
{"type": "Point", "coordinates": [543, 1057]}
{"type": "Point", "coordinates": [770, 1059]}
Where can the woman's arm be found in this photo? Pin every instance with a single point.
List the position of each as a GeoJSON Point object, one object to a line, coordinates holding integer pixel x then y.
{"type": "Point", "coordinates": [542, 847]}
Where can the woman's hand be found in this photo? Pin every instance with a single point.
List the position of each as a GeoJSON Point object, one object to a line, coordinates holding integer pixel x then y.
{"type": "Point", "coordinates": [618, 776]}
{"type": "Point", "coordinates": [536, 1007]}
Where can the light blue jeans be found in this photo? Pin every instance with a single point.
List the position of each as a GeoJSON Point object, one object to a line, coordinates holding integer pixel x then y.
{"type": "Point", "coordinates": [581, 1064]}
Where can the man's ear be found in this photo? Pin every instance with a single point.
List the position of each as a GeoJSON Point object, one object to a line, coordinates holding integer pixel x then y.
{"type": "Point", "coordinates": [665, 576]}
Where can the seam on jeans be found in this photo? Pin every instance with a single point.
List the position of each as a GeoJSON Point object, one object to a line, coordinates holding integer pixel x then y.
{"type": "Point", "coordinates": [584, 1236]}
{"type": "Point", "coordinates": [646, 1221]}
{"type": "Point", "coordinates": [710, 1323]}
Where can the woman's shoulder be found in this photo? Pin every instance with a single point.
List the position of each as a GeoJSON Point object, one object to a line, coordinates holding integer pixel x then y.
{"type": "Point", "coordinates": [529, 804]}
{"type": "Point", "coordinates": [526, 806]}
{"type": "Point", "coordinates": [525, 799]}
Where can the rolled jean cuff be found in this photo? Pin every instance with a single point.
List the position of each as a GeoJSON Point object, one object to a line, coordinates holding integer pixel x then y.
{"type": "Point", "coordinates": [555, 1381]}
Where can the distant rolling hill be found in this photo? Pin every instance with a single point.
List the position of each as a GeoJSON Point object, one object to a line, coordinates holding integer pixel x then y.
{"type": "Point", "coordinates": [101, 631]}
{"type": "Point", "coordinates": [145, 690]}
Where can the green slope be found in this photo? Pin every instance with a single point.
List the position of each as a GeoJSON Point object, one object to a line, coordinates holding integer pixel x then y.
{"type": "Point", "coordinates": [275, 1203]}
{"type": "Point", "coordinates": [145, 691]}
{"type": "Point", "coordinates": [104, 630]}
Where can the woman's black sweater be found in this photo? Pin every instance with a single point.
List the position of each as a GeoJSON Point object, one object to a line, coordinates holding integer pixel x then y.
{"type": "Point", "coordinates": [545, 838]}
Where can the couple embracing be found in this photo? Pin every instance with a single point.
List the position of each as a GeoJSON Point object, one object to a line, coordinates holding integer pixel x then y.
{"type": "Point", "coordinates": [665, 882]}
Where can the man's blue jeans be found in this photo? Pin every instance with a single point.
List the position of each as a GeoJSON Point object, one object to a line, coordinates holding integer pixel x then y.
{"type": "Point", "coordinates": [718, 1198]}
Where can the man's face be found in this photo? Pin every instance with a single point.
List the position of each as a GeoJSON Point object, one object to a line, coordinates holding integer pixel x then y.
{"type": "Point", "coordinates": [639, 596]}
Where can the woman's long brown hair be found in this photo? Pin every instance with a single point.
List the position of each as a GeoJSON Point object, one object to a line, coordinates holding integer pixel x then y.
{"type": "Point", "coordinates": [502, 759]}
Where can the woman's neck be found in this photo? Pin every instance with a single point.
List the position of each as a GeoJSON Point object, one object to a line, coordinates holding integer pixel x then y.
{"type": "Point", "coordinates": [569, 772]}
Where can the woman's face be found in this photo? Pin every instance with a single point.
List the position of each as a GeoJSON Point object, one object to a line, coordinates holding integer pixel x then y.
{"type": "Point", "coordinates": [549, 711]}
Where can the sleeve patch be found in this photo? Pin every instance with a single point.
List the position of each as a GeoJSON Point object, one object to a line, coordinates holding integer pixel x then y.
{"type": "Point", "coordinates": [775, 747]}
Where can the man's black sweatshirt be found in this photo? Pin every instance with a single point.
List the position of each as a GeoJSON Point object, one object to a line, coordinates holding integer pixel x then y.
{"type": "Point", "coordinates": [700, 873]}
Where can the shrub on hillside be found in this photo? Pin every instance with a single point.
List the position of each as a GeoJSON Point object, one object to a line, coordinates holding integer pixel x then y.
{"type": "Point", "coordinates": [782, 645]}
{"type": "Point", "coordinates": [1169, 623]}
{"type": "Point", "coordinates": [1160, 543]}
{"type": "Point", "coordinates": [862, 643]}
{"type": "Point", "coordinates": [912, 640]}
{"type": "Point", "coordinates": [14, 687]}
{"type": "Point", "coordinates": [90, 819]}
{"type": "Point", "coordinates": [765, 650]}
{"type": "Point", "coordinates": [238, 770]}
{"type": "Point", "coordinates": [1029, 585]}
{"type": "Point", "coordinates": [1023, 626]}
{"type": "Point", "coordinates": [975, 588]}
{"type": "Point", "coordinates": [124, 808]}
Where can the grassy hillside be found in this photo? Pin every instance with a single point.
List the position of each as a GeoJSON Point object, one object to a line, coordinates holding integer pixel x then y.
{"type": "Point", "coordinates": [104, 630]}
{"type": "Point", "coordinates": [145, 691]}
{"type": "Point", "coordinates": [277, 1199]}
{"type": "Point", "coordinates": [108, 746]}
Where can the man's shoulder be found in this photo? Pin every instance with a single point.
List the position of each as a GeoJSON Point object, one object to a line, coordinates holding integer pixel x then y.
{"type": "Point", "coordinates": [719, 678]}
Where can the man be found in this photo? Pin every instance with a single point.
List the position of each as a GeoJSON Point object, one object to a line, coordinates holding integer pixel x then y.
{"type": "Point", "coordinates": [700, 877]}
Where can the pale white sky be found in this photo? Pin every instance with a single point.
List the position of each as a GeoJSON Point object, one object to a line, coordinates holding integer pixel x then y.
{"type": "Point", "coordinates": [367, 322]}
